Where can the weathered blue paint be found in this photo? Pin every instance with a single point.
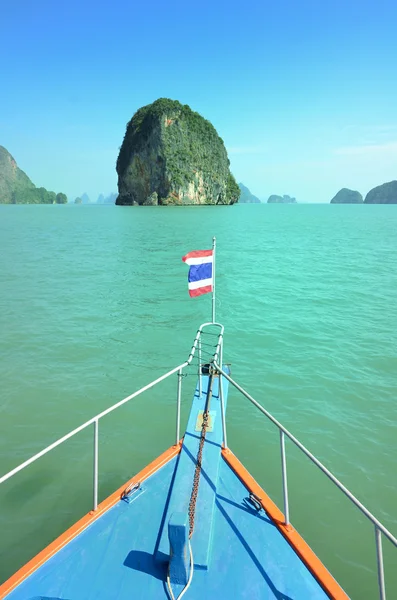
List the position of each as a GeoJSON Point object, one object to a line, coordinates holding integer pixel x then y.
{"type": "Point", "coordinates": [113, 558]}
{"type": "Point", "coordinates": [178, 533]}
{"type": "Point", "coordinates": [182, 486]}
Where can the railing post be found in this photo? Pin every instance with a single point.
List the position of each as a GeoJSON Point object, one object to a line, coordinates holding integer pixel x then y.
{"type": "Point", "coordinates": [96, 431]}
{"type": "Point", "coordinates": [379, 559]}
{"type": "Point", "coordinates": [178, 407]}
{"type": "Point", "coordinates": [284, 476]}
{"type": "Point", "coordinates": [221, 399]}
{"type": "Point", "coordinates": [199, 366]}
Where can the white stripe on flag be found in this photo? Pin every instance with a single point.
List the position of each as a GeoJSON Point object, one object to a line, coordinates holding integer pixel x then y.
{"type": "Point", "coordinates": [198, 260]}
{"type": "Point", "coordinates": [193, 285]}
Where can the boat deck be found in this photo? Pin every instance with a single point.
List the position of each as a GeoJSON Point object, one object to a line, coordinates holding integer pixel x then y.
{"type": "Point", "coordinates": [114, 558]}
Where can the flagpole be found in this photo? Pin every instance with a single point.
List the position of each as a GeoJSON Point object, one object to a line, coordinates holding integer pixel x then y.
{"type": "Point", "coordinates": [213, 278]}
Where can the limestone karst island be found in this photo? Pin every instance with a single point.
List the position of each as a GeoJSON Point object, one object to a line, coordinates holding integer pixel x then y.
{"type": "Point", "coordinates": [346, 196]}
{"type": "Point", "coordinates": [17, 188]}
{"type": "Point", "coordinates": [172, 155]}
{"type": "Point", "coordinates": [382, 194]}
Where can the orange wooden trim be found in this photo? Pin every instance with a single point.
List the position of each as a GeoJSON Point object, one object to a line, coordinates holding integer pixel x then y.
{"type": "Point", "coordinates": [84, 522]}
{"type": "Point", "coordinates": [305, 553]}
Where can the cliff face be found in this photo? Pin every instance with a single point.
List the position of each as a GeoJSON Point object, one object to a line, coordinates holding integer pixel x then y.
{"type": "Point", "coordinates": [13, 181]}
{"type": "Point", "coordinates": [246, 196]}
{"type": "Point", "coordinates": [346, 196]}
{"type": "Point", "coordinates": [383, 194]}
{"type": "Point", "coordinates": [16, 187]}
{"type": "Point", "coordinates": [172, 155]}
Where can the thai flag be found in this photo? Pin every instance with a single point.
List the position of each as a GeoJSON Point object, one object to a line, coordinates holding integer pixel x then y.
{"type": "Point", "coordinates": [200, 272]}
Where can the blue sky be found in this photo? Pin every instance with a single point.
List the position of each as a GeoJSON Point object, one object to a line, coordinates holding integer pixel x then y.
{"type": "Point", "coordinates": [304, 94]}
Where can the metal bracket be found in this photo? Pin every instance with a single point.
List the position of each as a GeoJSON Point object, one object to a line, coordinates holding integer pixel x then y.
{"type": "Point", "coordinates": [132, 492]}
{"type": "Point", "coordinates": [255, 501]}
{"type": "Point", "coordinates": [211, 420]}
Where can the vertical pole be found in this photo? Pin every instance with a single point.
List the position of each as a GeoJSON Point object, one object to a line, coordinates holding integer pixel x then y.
{"type": "Point", "coordinates": [199, 367]}
{"type": "Point", "coordinates": [96, 431]}
{"type": "Point", "coordinates": [213, 278]}
{"type": "Point", "coordinates": [284, 476]}
{"type": "Point", "coordinates": [221, 399]}
{"type": "Point", "coordinates": [379, 558]}
{"type": "Point", "coordinates": [178, 407]}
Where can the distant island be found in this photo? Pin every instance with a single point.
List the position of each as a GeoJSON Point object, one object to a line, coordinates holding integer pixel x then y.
{"type": "Point", "coordinates": [274, 199]}
{"type": "Point", "coordinates": [172, 155]}
{"type": "Point", "coordinates": [110, 199]}
{"type": "Point", "coordinates": [83, 199]}
{"type": "Point", "coordinates": [17, 188]}
{"type": "Point", "coordinates": [246, 197]}
{"type": "Point", "coordinates": [346, 196]}
{"type": "Point", "coordinates": [102, 199]}
{"type": "Point", "coordinates": [383, 194]}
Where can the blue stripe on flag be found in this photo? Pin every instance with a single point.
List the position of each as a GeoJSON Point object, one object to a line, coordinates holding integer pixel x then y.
{"type": "Point", "coordinates": [197, 272]}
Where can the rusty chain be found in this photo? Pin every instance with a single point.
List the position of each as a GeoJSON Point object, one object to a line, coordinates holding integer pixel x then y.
{"type": "Point", "coordinates": [197, 471]}
{"type": "Point", "coordinates": [196, 478]}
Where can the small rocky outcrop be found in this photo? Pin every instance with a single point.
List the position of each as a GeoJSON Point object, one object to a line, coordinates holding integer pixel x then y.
{"type": "Point", "coordinates": [246, 197]}
{"type": "Point", "coordinates": [383, 194]}
{"type": "Point", "coordinates": [274, 199]}
{"type": "Point", "coordinates": [346, 196]}
{"type": "Point", "coordinates": [172, 155]}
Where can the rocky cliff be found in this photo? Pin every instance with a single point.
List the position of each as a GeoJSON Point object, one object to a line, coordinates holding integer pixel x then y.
{"type": "Point", "coordinates": [246, 196]}
{"type": "Point", "coordinates": [12, 179]}
{"type": "Point", "coordinates": [16, 187]}
{"type": "Point", "coordinates": [172, 155]}
{"type": "Point", "coordinates": [346, 196]}
{"type": "Point", "coordinates": [383, 194]}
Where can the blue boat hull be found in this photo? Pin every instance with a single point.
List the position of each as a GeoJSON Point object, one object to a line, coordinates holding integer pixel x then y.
{"type": "Point", "coordinates": [240, 546]}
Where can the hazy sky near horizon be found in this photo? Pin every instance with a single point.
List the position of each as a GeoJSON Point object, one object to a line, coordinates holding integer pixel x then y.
{"type": "Point", "coordinates": [304, 94]}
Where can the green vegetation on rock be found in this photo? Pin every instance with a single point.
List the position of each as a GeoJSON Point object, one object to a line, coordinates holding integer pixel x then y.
{"type": "Point", "coordinates": [172, 155]}
{"type": "Point", "coordinates": [246, 196]}
{"type": "Point", "coordinates": [346, 196]}
{"type": "Point", "coordinates": [383, 194]}
{"type": "Point", "coordinates": [13, 181]}
{"type": "Point", "coordinates": [61, 198]}
{"type": "Point", "coordinates": [33, 196]}
{"type": "Point", "coordinates": [16, 187]}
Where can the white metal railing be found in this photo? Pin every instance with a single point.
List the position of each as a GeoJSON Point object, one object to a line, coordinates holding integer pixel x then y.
{"type": "Point", "coordinates": [213, 358]}
{"type": "Point", "coordinates": [379, 528]}
{"type": "Point", "coordinates": [95, 420]}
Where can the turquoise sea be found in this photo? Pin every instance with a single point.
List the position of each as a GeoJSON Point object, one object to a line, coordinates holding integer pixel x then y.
{"type": "Point", "coordinates": [94, 304]}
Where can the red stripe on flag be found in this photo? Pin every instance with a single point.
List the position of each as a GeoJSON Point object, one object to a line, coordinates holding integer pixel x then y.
{"type": "Point", "coordinates": [199, 291]}
{"type": "Point", "coordinates": [197, 254]}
